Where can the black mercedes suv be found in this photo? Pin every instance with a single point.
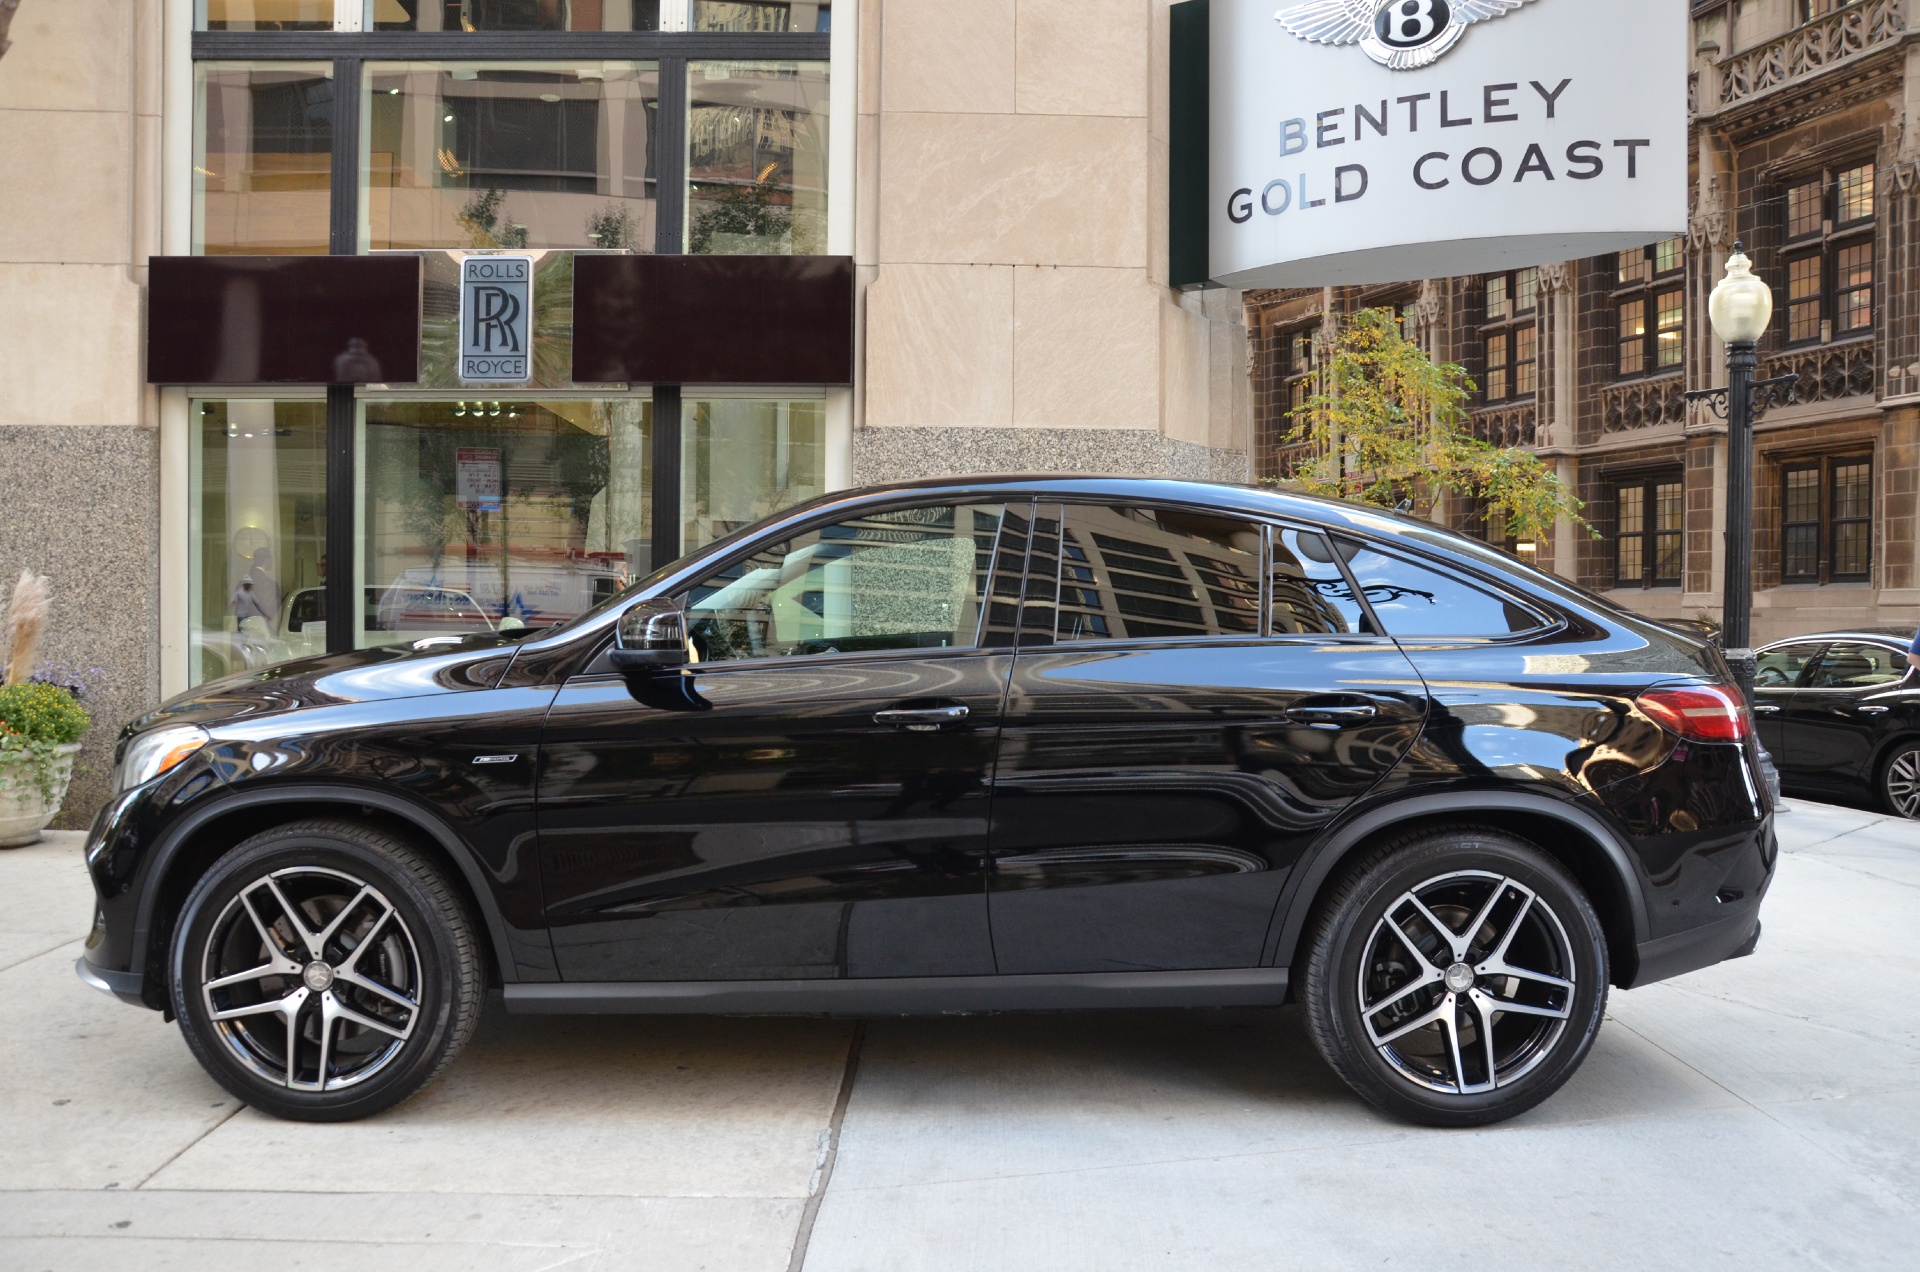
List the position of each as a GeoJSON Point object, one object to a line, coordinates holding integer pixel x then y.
{"type": "Point", "coordinates": [1024, 743]}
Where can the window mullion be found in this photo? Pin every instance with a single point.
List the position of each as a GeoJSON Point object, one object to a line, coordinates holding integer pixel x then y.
{"type": "Point", "coordinates": [670, 161]}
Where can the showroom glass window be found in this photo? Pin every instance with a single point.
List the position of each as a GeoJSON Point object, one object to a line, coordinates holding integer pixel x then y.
{"type": "Point", "coordinates": [1828, 254]}
{"type": "Point", "coordinates": [257, 559]}
{"type": "Point", "coordinates": [263, 158]}
{"type": "Point", "coordinates": [1509, 335]}
{"type": "Point", "coordinates": [1649, 531]}
{"type": "Point", "coordinates": [498, 515]}
{"type": "Point", "coordinates": [550, 126]}
{"type": "Point", "coordinates": [510, 155]}
{"type": "Point", "coordinates": [757, 157]}
{"type": "Point", "coordinates": [1650, 309]}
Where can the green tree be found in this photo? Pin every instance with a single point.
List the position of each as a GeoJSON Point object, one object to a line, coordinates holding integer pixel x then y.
{"type": "Point", "coordinates": [1389, 427]}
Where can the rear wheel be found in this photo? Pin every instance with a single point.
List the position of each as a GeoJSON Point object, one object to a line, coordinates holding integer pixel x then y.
{"type": "Point", "coordinates": [1456, 978]}
{"type": "Point", "coordinates": [325, 971]}
{"type": "Point", "coordinates": [1900, 781]}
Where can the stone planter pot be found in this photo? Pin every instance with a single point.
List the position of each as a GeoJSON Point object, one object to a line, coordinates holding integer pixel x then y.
{"type": "Point", "coordinates": [24, 810]}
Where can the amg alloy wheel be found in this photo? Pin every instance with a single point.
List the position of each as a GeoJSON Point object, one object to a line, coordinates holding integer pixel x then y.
{"type": "Point", "coordinates": [1900, 782]}
{"type": "Point", "coordinates": [324, 972]}
{"type": "Point", "coordinates": [1456, 979]}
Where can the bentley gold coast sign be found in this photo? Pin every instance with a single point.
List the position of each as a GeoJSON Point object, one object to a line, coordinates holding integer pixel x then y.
{"type": "Point", "coordinates": [1373, 141]}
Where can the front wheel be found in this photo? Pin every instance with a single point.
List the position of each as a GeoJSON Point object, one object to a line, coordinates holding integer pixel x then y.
{"type": "Point", "coordinates": [1900, 781]}
{"type": "Point", "coordinates": [1456, 978]}
{"type": "Point", "coordinates": [325, 971]}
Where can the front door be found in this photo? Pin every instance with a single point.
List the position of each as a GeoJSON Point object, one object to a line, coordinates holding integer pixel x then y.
{"type": "Point", "coordinates": [811, 798]}
{"type": "Point", "coordinates": [1835, 725]}
{"type": "Point", "coordinates": [1176, 734]}
{"type": "Point", "coordinates": [1778, 675]}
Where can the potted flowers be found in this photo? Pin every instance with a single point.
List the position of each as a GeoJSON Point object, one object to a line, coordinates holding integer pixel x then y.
{"type": "Point", "coordinates": [41, 724]}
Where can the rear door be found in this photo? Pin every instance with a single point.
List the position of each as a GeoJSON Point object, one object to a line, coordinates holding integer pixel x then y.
{"type": "Point", "coordinates": [1193, 700]}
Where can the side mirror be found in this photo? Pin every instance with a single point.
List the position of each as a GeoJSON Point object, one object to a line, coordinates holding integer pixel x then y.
{"type": "Point", "coordinates": [651, 636]}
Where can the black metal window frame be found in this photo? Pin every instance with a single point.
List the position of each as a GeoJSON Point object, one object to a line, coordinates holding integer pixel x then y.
{"type": "Point", "coordinates": [1644, 283]}
{"type": "Point", "coordinates": [349, 52]}
{"type": "Point", "coordinates": [1506, 330]}
{"type": "Point", "coordinates": [1647, 540]}
{"type": "Point", "coordinates": [1819, 536]}
{"type": "Point", "coordinates": [1821, 246]}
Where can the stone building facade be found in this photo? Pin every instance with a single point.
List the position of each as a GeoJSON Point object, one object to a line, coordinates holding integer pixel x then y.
{"type": "Point", "coordinates": [1802, 150]}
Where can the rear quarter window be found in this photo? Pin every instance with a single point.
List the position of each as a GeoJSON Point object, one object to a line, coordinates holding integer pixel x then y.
{"type": "Point", "coordinates": [1414, 599]}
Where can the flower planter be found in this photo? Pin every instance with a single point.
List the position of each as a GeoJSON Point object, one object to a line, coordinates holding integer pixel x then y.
{"type": "Point", "coordinates": [25, 810]}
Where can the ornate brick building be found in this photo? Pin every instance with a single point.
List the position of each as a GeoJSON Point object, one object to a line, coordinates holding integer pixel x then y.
{"type": "Point", "coordinates": [1803, 150]}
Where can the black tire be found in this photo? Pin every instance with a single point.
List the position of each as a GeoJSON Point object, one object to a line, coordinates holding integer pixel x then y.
{"type": "Point", "coordinates": [1454, 872]}
{"type": "Point", "coordinates": [395, 933]}
{"type": "Point", "coordinates": [1899, 784]}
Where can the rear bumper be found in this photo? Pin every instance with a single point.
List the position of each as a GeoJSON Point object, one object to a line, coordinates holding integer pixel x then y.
{"type": "Point", "coordinates": [1732, 937]}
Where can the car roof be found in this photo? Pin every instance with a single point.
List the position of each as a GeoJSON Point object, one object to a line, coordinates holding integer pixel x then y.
{"type": "Point", "coordinates": [1874, 635]}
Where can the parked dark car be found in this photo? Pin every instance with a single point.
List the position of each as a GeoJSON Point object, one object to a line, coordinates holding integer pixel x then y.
{"type": "Point", "coordinates": [1841, 713]}
{"type": "Point", "coordinates": [960, 746]}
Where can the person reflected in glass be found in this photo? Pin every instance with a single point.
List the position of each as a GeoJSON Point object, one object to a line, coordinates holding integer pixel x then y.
{"type": "Point", "coordinates": [257, 597]}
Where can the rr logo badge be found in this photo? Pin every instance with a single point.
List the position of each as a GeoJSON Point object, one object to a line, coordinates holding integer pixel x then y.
{"type": "Point", "coordinates": [496, 319]}
{"type": "Point", "coordinates": [1404, 35]}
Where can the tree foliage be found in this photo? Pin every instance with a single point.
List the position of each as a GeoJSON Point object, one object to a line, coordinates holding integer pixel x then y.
{"type": "Point", "coordinates": [1389, 427]}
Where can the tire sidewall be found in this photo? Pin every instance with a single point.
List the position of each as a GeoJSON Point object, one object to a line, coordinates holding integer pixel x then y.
{"type": "Point", "coordinates": [434, 944]}
{"type": "Point", "coordinates": [1353, 925]}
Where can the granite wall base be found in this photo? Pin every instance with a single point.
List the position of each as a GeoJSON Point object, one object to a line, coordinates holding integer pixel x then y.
{"type": "Point", "coordinates": [904, 453]}
{"type": "Point", "coordinates": [82, 506]}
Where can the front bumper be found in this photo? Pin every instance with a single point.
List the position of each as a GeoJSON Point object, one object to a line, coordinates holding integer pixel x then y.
{"type": "Point", "coordinates": [125, 986]}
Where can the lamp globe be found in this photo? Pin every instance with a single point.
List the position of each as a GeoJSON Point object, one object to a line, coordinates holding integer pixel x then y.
{"type": "Point", "coordinates": [1742, 305]}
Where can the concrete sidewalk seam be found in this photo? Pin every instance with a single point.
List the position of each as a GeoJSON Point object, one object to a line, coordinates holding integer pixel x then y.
{"type": "Point", "coordinates": [188, 1146]}
{"type": "Point", "coordinates": [830, 1153]}
{"type": "Point", "coordinates": [64, 943]}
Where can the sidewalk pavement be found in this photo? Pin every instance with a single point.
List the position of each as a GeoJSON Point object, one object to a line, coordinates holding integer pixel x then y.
{"type": "Point", "coordinates": [1765, 1113]}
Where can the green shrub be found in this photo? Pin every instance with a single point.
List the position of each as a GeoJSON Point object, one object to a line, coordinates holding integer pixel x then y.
{"type": "Point", "coordinates": [42, 713]}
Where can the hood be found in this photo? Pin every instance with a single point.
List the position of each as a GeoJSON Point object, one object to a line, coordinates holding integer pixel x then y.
{"type": "Point", "coordinates": [368, 675]}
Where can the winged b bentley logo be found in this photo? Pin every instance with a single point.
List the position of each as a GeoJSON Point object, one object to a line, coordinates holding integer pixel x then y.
{"type": "Point", "coordinates": [1402, 34]}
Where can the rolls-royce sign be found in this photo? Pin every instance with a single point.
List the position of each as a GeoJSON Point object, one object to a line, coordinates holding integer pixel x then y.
{"type": "Point", "coordinates": [1372, 141]}
{"type": "Point", "coordinates": [496, 320]}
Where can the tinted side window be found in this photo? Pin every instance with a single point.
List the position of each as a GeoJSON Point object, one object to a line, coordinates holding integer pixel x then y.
{"type": "Point", "coordinates": [1413, 600]}
{"type": "Point", "coordinates": [910, 578]}
{"type": "Point", "coordinates": [1859, 667]}
{"type": "Point", "coordinates": [1141, 573]}
{"type": "Point", "coordinates": [1311, 597]}
{"type": "Point", "coordinates": [1781, 668]}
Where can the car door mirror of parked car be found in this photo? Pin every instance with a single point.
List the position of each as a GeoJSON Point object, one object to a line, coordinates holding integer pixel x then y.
{"type": "Point", "coordinates": [651, 637]}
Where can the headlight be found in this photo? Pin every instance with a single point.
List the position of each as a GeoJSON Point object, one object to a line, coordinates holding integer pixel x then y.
{"type": "Point", "coordinates": [151, 754]}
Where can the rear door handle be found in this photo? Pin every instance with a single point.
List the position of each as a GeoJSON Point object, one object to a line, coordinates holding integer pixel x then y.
{"type": "Point", "coordinates": [921, 718]}
{"type": "Point", "coordinates": [1766, 710]}
{"type": "Point", "coordinates": [1874, 710]}
{"type": "Point", "coordinates": [1333, 715]}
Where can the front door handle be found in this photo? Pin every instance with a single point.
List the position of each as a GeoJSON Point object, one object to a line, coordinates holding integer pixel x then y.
{"type": "Point", "coordinates": [1333, 715]}
{"type": "Point", "coordinates": [1874, 710]}
{"type": "Point", "coordinates": [921, 719]}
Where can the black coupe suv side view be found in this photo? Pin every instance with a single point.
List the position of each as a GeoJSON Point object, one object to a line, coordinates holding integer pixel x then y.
{"type": "Point", "coordinates": [1022, 743]}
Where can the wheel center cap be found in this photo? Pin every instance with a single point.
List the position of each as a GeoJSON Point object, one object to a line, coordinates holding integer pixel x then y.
{"type": "Point", "coordinates": [319, 977]}
{"type": "Point", "coordinates": [1460, 978]}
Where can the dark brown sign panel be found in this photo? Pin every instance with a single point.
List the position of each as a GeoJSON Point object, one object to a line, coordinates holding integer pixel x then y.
{"type": "Point", "coordinates": [283, 320]}
{"type": "Point", "coordinates": [713, 320]}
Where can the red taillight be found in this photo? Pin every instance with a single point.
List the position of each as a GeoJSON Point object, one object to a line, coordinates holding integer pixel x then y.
{"type": "Point", "coordinates": [1700, 713]}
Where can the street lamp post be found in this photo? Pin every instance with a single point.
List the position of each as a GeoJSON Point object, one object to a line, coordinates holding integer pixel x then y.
{"type": "Point", "coordinates": [1740, 309]}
